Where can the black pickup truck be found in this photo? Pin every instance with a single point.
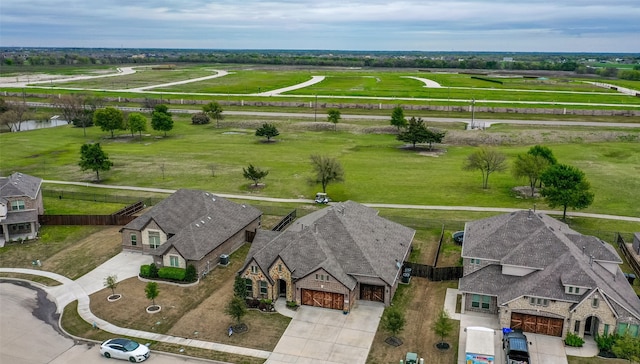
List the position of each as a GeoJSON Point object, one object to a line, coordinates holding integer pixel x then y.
{"type": "Point", "coordinates": [516, 348]}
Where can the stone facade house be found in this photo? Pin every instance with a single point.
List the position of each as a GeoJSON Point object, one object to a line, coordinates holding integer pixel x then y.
{"type": "Point", "coordinates": [330, 258]}
{"type": "Point", "coordinates": [191, 227]}
{"type": "Point", "coordinates": [538, 275]}
{"type": "Point", "coordinates": [20, 205]}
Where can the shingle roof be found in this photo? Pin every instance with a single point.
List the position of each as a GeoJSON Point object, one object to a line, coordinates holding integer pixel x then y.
{"type": "Point", "coordinates": [346, 240]}
{"type": "Point", "coordinates": [556, 254]}
{"type": "Point", "coordinates": [20, 184]}
{"type": "Point", "coordinates": [196, 221]}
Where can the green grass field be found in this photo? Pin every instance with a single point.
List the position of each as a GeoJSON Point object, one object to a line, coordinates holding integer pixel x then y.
{"type": "Point", "coordinates": [377, 168]}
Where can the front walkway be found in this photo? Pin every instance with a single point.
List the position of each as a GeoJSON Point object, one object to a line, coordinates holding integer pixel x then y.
{"type": "Point", "coordinates": [543, 349]}
{"type": "Point", "coordinates": [321, 335]}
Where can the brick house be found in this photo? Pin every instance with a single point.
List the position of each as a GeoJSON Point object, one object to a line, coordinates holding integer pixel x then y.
{"type": "Point", "coordinates": [20, 205]}
{"type": "Point", "coordinates": [191, 227]}
{"type": "Point", "coordinates": [538, 275]}
{"type": "Point", "coordinates": [330, 258]}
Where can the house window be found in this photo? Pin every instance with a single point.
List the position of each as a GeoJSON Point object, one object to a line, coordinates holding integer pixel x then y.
{"type": "Point", "coordinates": [486, 300]}
{"type": "Point", "coordinates": [134, 239]}
{"type": "Point", "coordinates": [475, 300]}
{"type": "Point", "coordinates": [280, 268]}
{"type": "Point", "coordinates": [263, 288]}
{"type": "Point", "coordinates": [570, 289]}
{"type": "Point", "coordinates": [475, 261]}
{"type": "Point", "coordinates": [622, 328]}
{"type": "Point", "coordinates": [576, 327]}
{"type": "Point", "coordinates": [254, 269]}
{"type": "Point", "coordinates": [577, 290]}
{"type": "Point", "coordinates": [249, 286]}
{"type": "Point", "coordinates": [154, 239]}
{"type": "Point", "coordinates": [595, 302]}
{"type": "Point", "coordinates": [606, 329]}
{"type": "Point", "coordinates": [17, 205]}
{"type": "Point", "coordinates": [633, 330]}
{"type": "Point", "coordinates": [536, 301]}
{"type": "Point", "coordinates": [174, 261]}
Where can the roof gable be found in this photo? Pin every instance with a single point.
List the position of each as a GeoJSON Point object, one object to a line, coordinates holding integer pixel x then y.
{"type": "Point", "coordinates": [19, 184]}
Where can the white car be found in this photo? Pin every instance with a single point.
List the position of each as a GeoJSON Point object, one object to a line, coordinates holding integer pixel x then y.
{"type": "Point", "coordinates": [124, 349]}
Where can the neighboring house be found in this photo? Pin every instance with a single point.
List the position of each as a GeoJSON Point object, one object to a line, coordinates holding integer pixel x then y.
{"type": "Point", "coordinates": [538, 275]}
{"type": "Point", "coordinates": [191, 227]}
{"type": "Point", "coordinates": [20, 205]}
{"type": "Point", "coordinates": [636, 243]}
{"type": "Point", "coordinates": [330, 258]}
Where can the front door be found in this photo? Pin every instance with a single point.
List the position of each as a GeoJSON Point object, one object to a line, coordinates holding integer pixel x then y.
{"type": "Point", "coordinates": [591, 326]}
{"type": "Point", "coordinates": [282, 288]}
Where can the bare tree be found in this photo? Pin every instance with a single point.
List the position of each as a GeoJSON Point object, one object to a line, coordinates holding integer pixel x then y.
{"type": "Point", "coordinates": [326, 170]}
{"type": "Point", "coordinates": [487, 161]}
{"type": "Point", "coordinates": [70, 106]}
{"type": "Point", "coordinates": [15, 116]}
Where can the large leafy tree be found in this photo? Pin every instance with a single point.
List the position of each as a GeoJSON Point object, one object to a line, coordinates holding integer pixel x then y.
{"type": "Point", "coordinates": [566, 186]}
{"type": "Point", "coordinates": [213, 110]}
{"type": "Point", "coordinates": [434, 136]}
{"type": "Point", "coordinates": [268, 131]}
{"type": "Point", "coordinates": [530, 166]}
{"type": "Point", "coordinates": [326, 170]}
{"type": "Point", "coordinates": [161, 119]}
{"type": "Point", "coordinates": [544, 152]}
{"type": "Point", "coordinates": [109, 119]}
{"type": "Point", "coordinates": [254, 174]}
{"type": "Point", "coordinates": [415, 132]}
{"type": "Point", "coordinates": [334, 116]}
{"type": "Point", "coordinates": [397, 117]}
{"type": "Point", "coordinates": [137, 123]}
{"type": "Point", "coordinates": [94, 158]}
{"type": "Point", "coordinates": [487, 161]}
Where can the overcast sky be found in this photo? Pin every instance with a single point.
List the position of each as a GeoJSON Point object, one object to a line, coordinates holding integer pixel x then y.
{"type": "Point", "coordinates": [454, 25]}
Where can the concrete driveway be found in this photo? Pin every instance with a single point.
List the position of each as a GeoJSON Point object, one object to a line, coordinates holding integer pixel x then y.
{"type": "Point", "coordinates": [320, 335]}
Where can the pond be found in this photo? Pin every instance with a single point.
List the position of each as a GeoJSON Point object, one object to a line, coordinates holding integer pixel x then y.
{"type": "Point", "coordinates": [37, 124]}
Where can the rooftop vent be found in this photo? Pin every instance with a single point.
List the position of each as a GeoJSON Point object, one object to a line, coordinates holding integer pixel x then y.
{"type": "Point", "coordinates": [197, 225]}
{"type": "Point", "coordinates": [209, 217]}
{"type": "Point", "coordinates": [213, 199]}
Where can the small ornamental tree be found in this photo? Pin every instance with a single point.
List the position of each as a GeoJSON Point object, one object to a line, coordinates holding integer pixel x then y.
{"type": "Point", "coordinates": [393, 321]}
{"type": "Point", "coordinates": [530, 166]}
{"type": "Point", "coordinates": [397, 117]}
{"type": "Point", "coordinates": [442, 327]}
{"type": "Point", "coordinates": [94, 158]}
{"type": "Point", "coordinates": [152, 292]}
{"type": "Point", "coordinates": [254, 174]}
{"type": "Point", "coordinates": [267, 130]}
{"type": "Point", "coordinates": [566, 186]}
{"type": "Point", "coordinates": [415, 132]}
{"type": "Point", "coordinates": [236, 308]}
{"type": "Point", "coordinates": [111, 282]}
{"type": "Point", "coordinates": [213, 110]}
{"type": "Point", "coordinates": [240, 287]}
{"type": "Point", "coordinates": [334, 116]}
{"type": "Point", "coordinates": [200, 119]}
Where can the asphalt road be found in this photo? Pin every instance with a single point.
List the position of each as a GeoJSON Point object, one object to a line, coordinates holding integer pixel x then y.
{"type": "Point", "coordinates": [29, 332]}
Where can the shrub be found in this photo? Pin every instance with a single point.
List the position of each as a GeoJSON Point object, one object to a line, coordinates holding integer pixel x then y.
{"type": "Point", "coordinates": [153, 271]}
{"type": "Point", "coordinates": [605, 342]}
{"type": "Point", "coordinates": [573, 340]}
{"type": "Point", "coordinates": [291, 304]}
{"type": "Point", "coordinates": [200, 119]}
{"type": "Point", "coordinates": [145, 271]}
{"type": "Point", "coordinates": [176, 274]}
{"type": "Point", "coordinates": [252, 302]}
{"type": "Point", "coordinates": [191, 275]}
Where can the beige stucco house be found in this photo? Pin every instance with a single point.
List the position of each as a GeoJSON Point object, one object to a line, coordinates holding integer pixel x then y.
{"type": "Point", "coordinates": [538, 275]}
{"type": "Point", "coordinates": [191, 227]}
{"type": "Point", "coordinates": [20, 205]}
{"type": "Point", "coordinates": [330, 258]}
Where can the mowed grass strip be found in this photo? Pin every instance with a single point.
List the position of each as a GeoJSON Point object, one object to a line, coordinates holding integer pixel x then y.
{"type": "Point", "coordinates": [377, 168]}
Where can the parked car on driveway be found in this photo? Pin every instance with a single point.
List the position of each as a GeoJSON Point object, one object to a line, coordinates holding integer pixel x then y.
{"type": "Point", "coordinates": [124, 349]}
{"type": "Point", "coordinates": [516, 347]}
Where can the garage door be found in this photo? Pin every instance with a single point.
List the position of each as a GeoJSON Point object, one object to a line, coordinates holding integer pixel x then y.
{"type": "Point", "coordinates": [537, 324]}
{"type": "Point", "coordinates": [323, 299]}
{"type": "Point", "coordinates": [372, 293]}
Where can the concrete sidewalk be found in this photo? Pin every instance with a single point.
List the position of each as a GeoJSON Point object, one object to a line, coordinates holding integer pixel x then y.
{"type": "Point", "coordinates": [70, 291]}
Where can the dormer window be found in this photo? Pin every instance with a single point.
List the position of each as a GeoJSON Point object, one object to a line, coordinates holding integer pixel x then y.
{"type": "Point", "coordinates": [572, 290]}
{"type": "Point", "coordinates": [475, 261]}
{"type": "Point", "coordinates": [254, 269]}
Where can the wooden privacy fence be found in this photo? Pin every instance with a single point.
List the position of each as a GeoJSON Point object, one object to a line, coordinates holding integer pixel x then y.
{"type": "Point", "coordinates": [84, 219]}
{"type": "Point", "coordinates": [434, 274]}
{"type": "Point", "coordinates": [633, 263]}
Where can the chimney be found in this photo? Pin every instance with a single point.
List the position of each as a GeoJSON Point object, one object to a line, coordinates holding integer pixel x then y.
{"type": "Point", "coordinates": [583, 250]}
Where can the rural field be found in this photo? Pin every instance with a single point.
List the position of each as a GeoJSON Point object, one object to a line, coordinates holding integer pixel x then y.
{"type": "Point", "coordinates": [378, 169]}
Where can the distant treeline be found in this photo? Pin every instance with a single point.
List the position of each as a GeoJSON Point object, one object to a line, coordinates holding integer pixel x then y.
{"type": "Point", "coordinates": [425, 60]}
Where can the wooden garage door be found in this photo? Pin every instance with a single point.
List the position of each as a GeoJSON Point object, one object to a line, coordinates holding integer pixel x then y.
{"type": "Point", "coordinates": [537, 324]}
{"type": "Point", "coordinates": [372, 293]}
{"type": "Point", "coordinates": [323, 299]}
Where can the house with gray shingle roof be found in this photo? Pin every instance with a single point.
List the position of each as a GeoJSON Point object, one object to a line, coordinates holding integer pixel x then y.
{"type": "Point", "coordinates": [538, 275]}
{"type": "Point", "coordinates": [330, 258]}
{"type": "Point", "coordinates": [191, 227]}
{"type": "Point", "coordinates": [20, 205]}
